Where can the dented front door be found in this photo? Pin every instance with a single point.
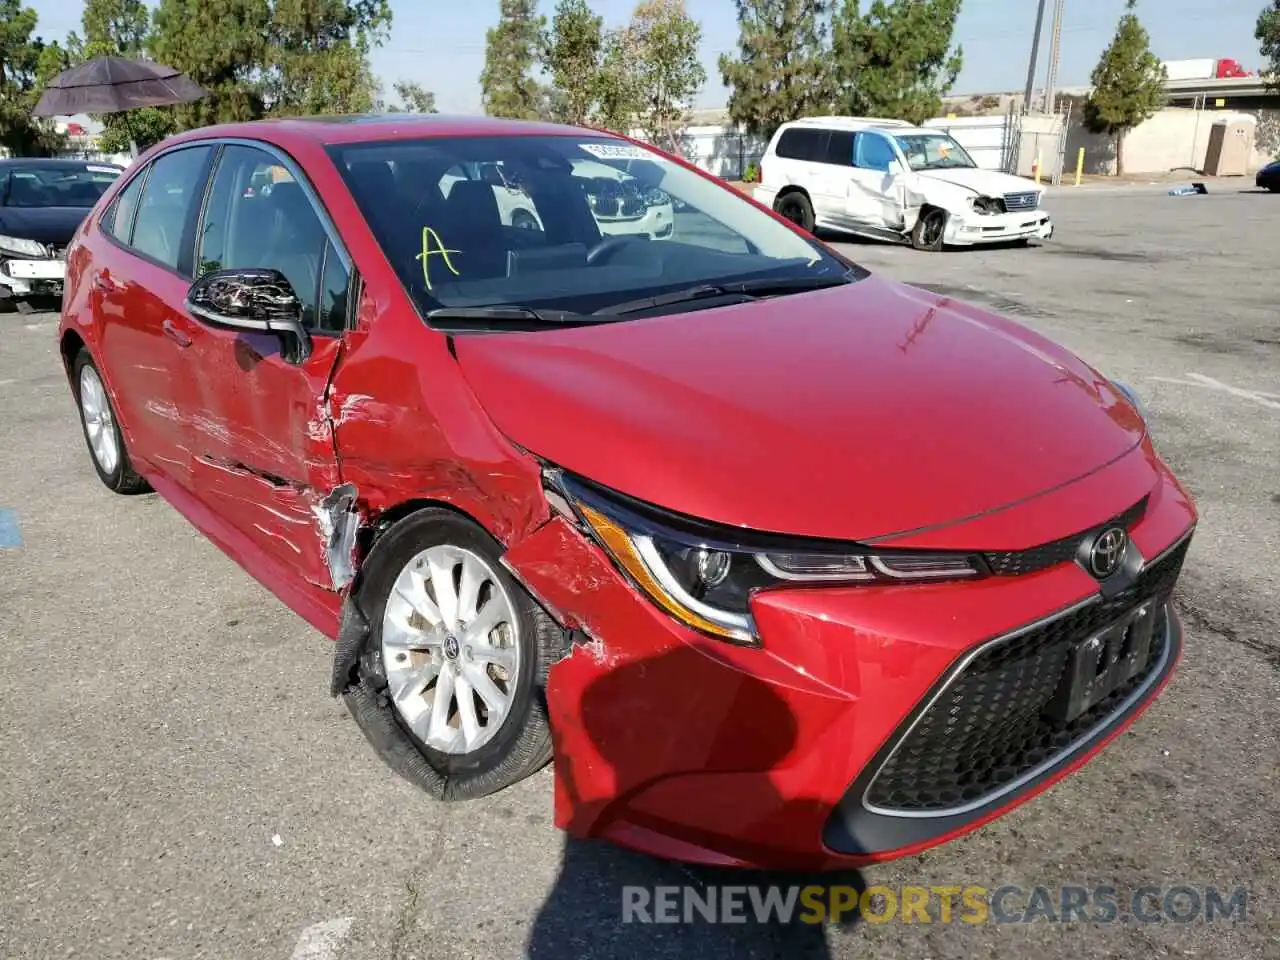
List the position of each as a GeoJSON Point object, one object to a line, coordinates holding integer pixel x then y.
{"type": "Point", "coordinates": [260, 437]}
{"type": "Point", "coordinates": [262, 451]}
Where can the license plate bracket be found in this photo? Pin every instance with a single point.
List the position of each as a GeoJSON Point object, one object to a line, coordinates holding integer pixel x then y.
{"type": "Point", "coordinates": [1099, 665]}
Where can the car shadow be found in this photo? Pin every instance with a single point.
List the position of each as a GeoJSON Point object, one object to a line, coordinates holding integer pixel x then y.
{"type": "Point", "coordinates": [43, 303]}
{"type": "Point", "coordinates": [607, 901]}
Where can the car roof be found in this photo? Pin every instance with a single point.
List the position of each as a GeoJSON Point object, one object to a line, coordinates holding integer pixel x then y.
{"type": "Point", "coordinates": [361, 128]}
{"type": "Point", "coordinates": [884, 124]}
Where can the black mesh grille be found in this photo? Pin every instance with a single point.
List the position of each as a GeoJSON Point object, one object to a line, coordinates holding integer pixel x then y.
{"type": "Point", "coordinates": [1017, 563]}
{"type": "Point", "coordinates": [990, 726]}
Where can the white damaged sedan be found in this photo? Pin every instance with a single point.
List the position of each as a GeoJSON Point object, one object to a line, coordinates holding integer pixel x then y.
{"type": "Point", "coordinates": [888, 180]}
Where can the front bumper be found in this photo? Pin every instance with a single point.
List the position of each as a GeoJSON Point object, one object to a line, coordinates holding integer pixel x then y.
{"type": "Point", "coordinates": [972, 228]}
{"type": "Point", "coordinates": [20, 277]}
{"type": "Point", "coordinates": [688, 748]}
{"type": "Point", "coordinates": [658, 223]}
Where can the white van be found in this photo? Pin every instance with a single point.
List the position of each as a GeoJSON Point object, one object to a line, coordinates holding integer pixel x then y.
{"type": "Point", "coordinates": [889, 180]}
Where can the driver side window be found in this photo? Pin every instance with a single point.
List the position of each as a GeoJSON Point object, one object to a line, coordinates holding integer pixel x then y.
{"type": "Point", "coordinates": [871, 151]}
{"type": "Point", "coordinates": [258, 216]}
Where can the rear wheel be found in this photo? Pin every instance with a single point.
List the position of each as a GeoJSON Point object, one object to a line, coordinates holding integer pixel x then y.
{"type": "Point", "coordinates": [795, 206]}
{"type": "Point", "coordinates": [456, 660]}
{"type": "Point", "coordinates": [102, 429]}
{"type": "Point", "coordinates": [929, 229]}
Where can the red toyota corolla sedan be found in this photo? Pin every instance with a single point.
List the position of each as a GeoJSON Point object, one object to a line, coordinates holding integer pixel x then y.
{"type": "Point", "coordinates": [577, 452]}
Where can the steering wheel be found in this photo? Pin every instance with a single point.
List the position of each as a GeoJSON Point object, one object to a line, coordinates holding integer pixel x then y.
{"type": "Point", "coordinates": [607, 247]}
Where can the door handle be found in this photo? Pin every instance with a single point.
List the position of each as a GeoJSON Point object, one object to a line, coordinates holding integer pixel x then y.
{"type": "Point", "coordinates": [173, 333]}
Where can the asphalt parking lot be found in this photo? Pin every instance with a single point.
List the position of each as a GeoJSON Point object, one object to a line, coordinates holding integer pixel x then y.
{"type": "Point", "coordinates": [176, 783]}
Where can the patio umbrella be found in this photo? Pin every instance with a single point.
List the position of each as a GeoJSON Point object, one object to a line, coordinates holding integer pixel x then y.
{"type": "Point", "coordinates": [115, 84]}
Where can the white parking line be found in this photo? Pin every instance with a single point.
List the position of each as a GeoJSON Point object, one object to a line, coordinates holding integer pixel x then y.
{"type": "Point", "coordinates": [5, 383]}
{"type": "Point", "coordinates": [1270, 400]}
{"type": "Point", "coordinates": [323, 940]}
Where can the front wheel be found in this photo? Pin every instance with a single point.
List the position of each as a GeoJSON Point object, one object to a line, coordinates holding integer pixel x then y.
{"type": "Point", "coordinates": [929, 229]}
{"type": "Point", "coordinates": [525, 220]}
{"type": "Point", "coordinates": [797, 208]}
{"type": "Point", "coordinates": [456, 660]}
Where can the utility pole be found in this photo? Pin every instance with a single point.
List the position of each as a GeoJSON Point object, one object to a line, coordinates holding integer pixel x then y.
{"type": "Point", "coordinates": [1035, 53]}
{"type": "Point", "coordinates": [1055, 44]}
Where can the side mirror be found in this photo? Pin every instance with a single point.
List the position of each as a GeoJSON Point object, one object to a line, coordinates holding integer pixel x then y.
{"type": "Point", "coordinates": [255, 299]}
{"type": "Point", "coordinates": [895, 168]}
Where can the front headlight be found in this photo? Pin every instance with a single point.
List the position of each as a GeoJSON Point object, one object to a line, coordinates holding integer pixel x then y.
{"type": "Point", "coordinates": [22, 247]}
{"type": "Point", "coordinates": [705, 575]}
{"type": "Point", "coordinates": [653, 197]}
{"type": "Point", "coordinates": [986, 205]}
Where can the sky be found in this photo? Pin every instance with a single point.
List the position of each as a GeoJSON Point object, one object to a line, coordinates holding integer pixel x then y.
{"type": "Point", "coordinates": [441, 45]}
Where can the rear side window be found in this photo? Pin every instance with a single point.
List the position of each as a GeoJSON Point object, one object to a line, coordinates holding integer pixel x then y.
{"type": "Point", "coordinates": [873, 152]}
{"type": "Point", "coordinates": [839, 148]}
{"type": "Point", "coordinates": [801, 143]}
{"type": "Point", "coordinates": [165, 226]}
{"type": "Point", "coordinates": [118, 220]}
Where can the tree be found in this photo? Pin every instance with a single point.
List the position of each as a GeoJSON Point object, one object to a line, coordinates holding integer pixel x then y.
{"type": "Point", "coordinates": [319, 55]}
{"type": "Point", "coordinates": [572, 56]}
{"type": "Point", "coordinates": [669, 73]}
{"type": "Point", "coordinates": [1267, 34]}
{"type": "Point", "coordinates": [618, 94]}
{"type": "Point", "coordinates": [896, 60]}
{"type": "Point", "coordinates": [415, 97]}
{"type": "Point", "coordinates": [1128, 84]}
{"type": "Point", "coordinates": [120, 28]}
{"type": "Point", "coordinates": [221, 45]}
{"type": "Point", "coordinates": [26, 64]}
{"type": "Point", "coordinates": [512, 51]}
{"type": "Point", "coordinates": [779, 73]}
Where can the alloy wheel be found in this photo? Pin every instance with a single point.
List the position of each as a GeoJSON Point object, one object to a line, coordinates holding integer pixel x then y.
{"type": "Point", "coordinates": [99, 422]}
{"type": "Point", "coordinates": [450, 650]}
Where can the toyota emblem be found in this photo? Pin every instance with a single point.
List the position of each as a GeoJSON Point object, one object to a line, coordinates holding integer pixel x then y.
{"type": "Point", "coordinates": [1107, 552]}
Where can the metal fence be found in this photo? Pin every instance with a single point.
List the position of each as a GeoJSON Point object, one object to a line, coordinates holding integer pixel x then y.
{"type": "Point", "coordinates": [721, 151]}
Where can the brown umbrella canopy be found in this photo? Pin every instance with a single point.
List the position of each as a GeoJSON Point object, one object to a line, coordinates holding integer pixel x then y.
{"type": "Point", "coordinates": [114, 84]}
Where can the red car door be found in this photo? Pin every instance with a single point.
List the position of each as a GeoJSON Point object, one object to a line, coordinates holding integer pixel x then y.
{"type": "Point", "coordinates": [142, 270]}
{"type": "Point", "coordinates": [262, 450]}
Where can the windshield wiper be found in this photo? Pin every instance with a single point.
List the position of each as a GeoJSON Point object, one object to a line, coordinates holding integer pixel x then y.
{"type": "Point", "coordinates": [764, 286]}
{"type": "Point", "coordinates": [472, 319]}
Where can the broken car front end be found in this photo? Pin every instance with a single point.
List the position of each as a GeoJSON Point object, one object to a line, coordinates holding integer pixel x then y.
{"type": "Point", "coordinates": [30, 268]}
{"type": "Point", "coordinates": [747, 700]}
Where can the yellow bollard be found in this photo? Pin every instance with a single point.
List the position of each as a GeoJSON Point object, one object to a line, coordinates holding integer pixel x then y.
{"type": "Point", "coordinates": [1036, 169]}
{"type": "Point", "coordinates": [1079, 166]}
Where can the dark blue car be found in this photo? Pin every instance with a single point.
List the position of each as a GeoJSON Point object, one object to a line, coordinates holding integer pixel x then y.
{"type": "Point", "coordinates": [1269, 176]}
{"type": "Point", "coordinates": [42, 202]}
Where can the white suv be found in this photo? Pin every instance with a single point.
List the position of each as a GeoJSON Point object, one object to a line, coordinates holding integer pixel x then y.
{"type": "Point", "coordinates": [889, 180]}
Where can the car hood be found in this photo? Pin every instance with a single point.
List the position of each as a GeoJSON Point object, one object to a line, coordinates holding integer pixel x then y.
{"type": "Point", "coordinates": [987, 183]}
{"type": "Point", "coordinates": [854, 413]}
{"type": "Point", "coordinates": [54, 225]}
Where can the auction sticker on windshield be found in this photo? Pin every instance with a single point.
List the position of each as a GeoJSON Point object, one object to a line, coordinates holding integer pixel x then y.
{"type": "Point", "coordinates": [619, 151]}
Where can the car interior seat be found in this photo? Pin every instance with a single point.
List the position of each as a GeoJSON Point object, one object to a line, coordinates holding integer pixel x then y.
{"type": "Point", "coordinates": [472, 224]}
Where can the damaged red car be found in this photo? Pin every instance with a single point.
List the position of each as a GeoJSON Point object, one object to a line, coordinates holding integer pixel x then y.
{"type": "Point", "coordinates": [578, 453]}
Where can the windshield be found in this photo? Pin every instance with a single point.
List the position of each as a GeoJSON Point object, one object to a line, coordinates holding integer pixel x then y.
{"type": "Point", "coordinates": [563, 223]}
{"type": "Point", "coordinates": [58, 186]}
{"type": "Point", "coordinates": [932, 151]}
